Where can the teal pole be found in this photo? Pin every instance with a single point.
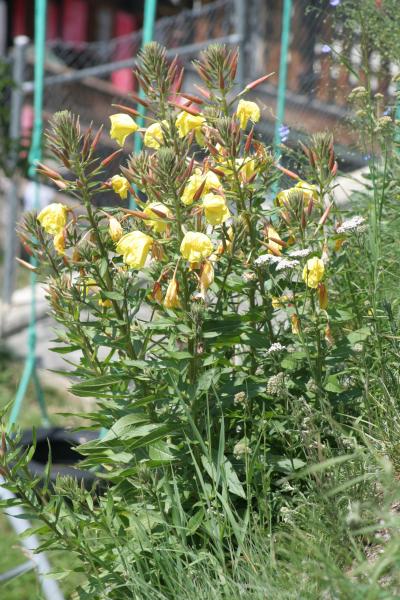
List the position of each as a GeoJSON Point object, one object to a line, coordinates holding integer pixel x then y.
{"type": "Point", "coordinates": [35, 155]}
{"type": "Point", "coordinates": [397, 118]}
{"type": "Point", "coordinates": [283, 66]}
{"type": "Point", "coordinates": [149, 18]}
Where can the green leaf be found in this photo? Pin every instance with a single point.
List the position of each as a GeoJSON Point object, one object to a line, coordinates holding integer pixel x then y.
{"type": "Point", "coordinates": [195, 521]}
{"type": "Point", "coordinates": [359, 335]}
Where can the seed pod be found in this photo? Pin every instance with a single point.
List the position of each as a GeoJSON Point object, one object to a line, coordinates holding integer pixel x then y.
{"type": "Point", "coordinates": [249, 140]}
{"type": "Point", "coordinates": [127, 109]}
{"type": "Point", "coordinates": [256, 82]}
{"type": "Point", "coordinates": [179, 81]}
{"type": "Point", "coordinates": [45, 170]}
{"type": "Point", "coordinates": [290, 174]}
{"type": "Point", "coordinates": [192, 98]}
{"type": "Point", "coordinates": [325, 214]}
{"type": "Point", "coordinates": [323, 296]}
{"type": "Point", "coordinates": [110, 158]}
{"type": "Point", "coordinates": [202, 91]}
{"type": "Point", "coordinates": [139, 100]}
{"type": "Point", "coordinates": [192, 111]}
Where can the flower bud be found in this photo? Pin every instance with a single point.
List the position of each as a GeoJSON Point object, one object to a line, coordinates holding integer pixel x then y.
{"type": "Point", "coordinates": [323, 296]}
{"type": "Point", "coordinates": [171, 299]}
{"type": "Point", "coordinates": [295, 321]}
{"type": "Point", "coordinates": [115, 229]}
{"type": "Point", "coordinates": [206, 277]}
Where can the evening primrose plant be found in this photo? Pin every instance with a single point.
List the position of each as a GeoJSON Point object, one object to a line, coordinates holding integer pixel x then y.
{"type": "Point", "coordinates": [202, 316]}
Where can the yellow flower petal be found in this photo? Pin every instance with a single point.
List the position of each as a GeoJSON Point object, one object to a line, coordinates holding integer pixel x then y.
{"type": "Point", "coordinates": [246, 111]}
{"type": "Point", "coordinates": [120, 185]}
{"type": "Point", "coordinates": [122, 125]}
{"type": "Point", "coordinates": [215, 209]}
{"type": "Point", "coordinates": [59, 243]}
{"type": "Point", "coordinates": [196, 246]}
{"type": "Point", "coordinates": [134, 247]}
{"type": "Point", "coordinates": [53, 218]}
{"type": "Point", "coordinates": [185, 123]}
{"type": "Point", "coordinates": [154, 136]}
{"type": "Point", "coordinates": [313, 272]}
{"type": "Point", "coordinates": [195, 181]}
{"type": "Point", "coordinates": [115, 229]}
{"type": "Point", "coordinates": [171, 299]}
{"type": "Point", "coordinates": [156, 222]}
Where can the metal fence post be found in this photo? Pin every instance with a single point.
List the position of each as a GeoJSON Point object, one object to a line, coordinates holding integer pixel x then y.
{"type": "Point", "coordinates": [240, 27]}
{"type": "Point", "coordinates": [11, 208]}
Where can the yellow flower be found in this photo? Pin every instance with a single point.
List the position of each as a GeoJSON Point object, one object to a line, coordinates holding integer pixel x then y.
{"type": "Point", "coordinates": [122, 125]}
{"type": "Point", "coordinates": [228, 243]}
{"type": "Point", "coordinates": [295, 322]}
{"type": "Point", "coordinates": [105, 303]}
{"type": "Point", "coordinates": [313, 272]}
{"type": "Point", "coordinates": [215, 209]}
{"type": "Point", "coordinates": [53, 218]}
{"type": "Point", "coordinates": [134, 247]}
{"type": "Point", "coordinates": [156, 223]}
{"type": "Point", "coordinates": [280, 302]}
{"type": "Point", "coordinates": [59, 243]}
{"type": "Point", "coordinates": [247, 110]}
{"type": "Point", "coordinates": [120, 185]}
{"type": "Point", "coordinates": [247, 167]}
{"type": "Point", "coordinates": [154, 136]}
{"type": "Point", "coordinates": [283, 197]}
{"type": "Point", "coordinates": [310, 191]}
{"type": "Point", "coordinates": [196, 246]}
{"type": "Point", "coordinates": [185, 123]}
{"type": "Point", "coordinates": [273, 247]}
{"type": "Point", "coordinates": [115, 229]}
{"type": "Point", "coordinates": [206, 277]}
{"type": "Point", "coordinates": [171, 299]}
{"type": "Point", "coordinates": [195, 181]}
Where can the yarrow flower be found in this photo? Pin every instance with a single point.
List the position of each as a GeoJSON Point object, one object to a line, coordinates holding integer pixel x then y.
{"type": "Point", "coordinates": [276, 384]}
{"type": "Point", "coordinates": [356, 223]}
{"type": "Point", "coordinates": [248, 276]}
{"type": "Point", "coordinates": [276, 347]}
{"type": "Point", "coordinates": [280, 262]}
{"type": "Point", "coordinates": [300, 253]}
{"type": "Point", "coordinates": [284, 263]}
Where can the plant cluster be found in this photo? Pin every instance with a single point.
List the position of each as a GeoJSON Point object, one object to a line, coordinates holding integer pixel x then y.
{"type": "Point", "coordinates": [228, 333]}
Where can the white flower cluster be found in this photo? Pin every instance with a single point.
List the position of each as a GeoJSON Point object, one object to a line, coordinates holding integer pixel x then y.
{"type": "Point", "coordinates": [248, 276]}
{"type": "Point", "coordinates": [300, 253]}
{"type": "Point", "coordinates": [280, 262]}
{"type": "Point", "coordinates": [276, 347]}
{"type": "Point", "coordinates": [276, 385]}
{"type": "Point", "coordinates": [353, 224]}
